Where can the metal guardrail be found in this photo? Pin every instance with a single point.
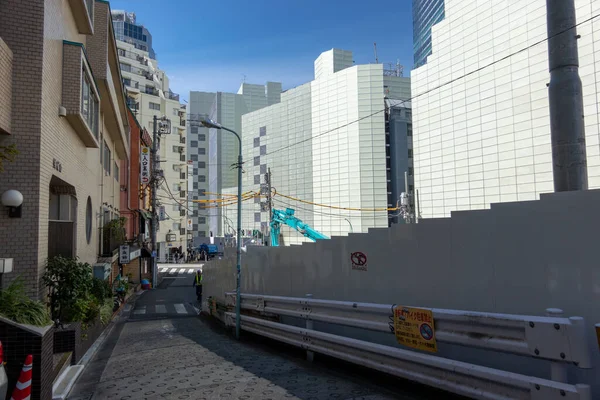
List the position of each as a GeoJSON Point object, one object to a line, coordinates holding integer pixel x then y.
{"type": "Point", "coordinates": [562, 341]}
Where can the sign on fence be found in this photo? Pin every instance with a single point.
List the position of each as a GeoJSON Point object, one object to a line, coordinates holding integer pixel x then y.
{"type": "Point", "coordinates": [124, 254]}
{"type": "Point", "coordinates": [414, 328]}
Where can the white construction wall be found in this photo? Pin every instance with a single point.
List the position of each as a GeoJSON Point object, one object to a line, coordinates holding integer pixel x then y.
{"type": "Point", "coordinates": [517, 258]}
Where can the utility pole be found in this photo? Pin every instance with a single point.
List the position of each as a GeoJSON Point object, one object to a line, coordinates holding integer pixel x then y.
{"type": "Point", "coordinates": [165, 127]}
{"type": "Point", "coordinates": [154, 210]}
{"type": "Point", "coordinates": [566, 100]}
{"type": "Point", "coordinates": [269, 195]}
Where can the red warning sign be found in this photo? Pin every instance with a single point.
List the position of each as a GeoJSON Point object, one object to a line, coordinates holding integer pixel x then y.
{"type": "Point", "coordinates": [359, 261]}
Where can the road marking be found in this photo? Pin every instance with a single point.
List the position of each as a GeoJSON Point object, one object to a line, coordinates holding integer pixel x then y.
{"type": "Point", "coordinates": [141, 310]}
{"type": "Point", "coordinates": [180, 308]}
{"type": "Point", "coordinates": [181, 271]}
{"type": "Point", "coordinates": [164, 269]}
{"type": "Point", "coordinates": [173, 270]}
{"type": "Point", "coordinates": [190, 271]}
{"type": "Point", "coordinates": [161, 309]}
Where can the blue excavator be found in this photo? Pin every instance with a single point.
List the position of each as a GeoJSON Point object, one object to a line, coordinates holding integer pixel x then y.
{"type": "Point", "coordinates": [288, 218]}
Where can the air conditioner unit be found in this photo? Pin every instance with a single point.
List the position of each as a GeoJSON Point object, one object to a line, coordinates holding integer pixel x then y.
{"type": "Point", "coordinates": [101, 271]}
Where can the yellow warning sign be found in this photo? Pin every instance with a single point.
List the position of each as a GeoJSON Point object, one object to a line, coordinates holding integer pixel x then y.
{"type": "Point", "coordinates": [414, 328]}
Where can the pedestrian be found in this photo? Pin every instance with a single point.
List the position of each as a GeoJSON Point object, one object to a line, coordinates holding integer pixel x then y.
{"type": "Point", "coordinates": [198, 285]}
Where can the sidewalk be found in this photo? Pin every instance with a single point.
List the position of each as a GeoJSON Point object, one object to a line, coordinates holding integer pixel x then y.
{"type": "Point", "coordinates": [189, 357]}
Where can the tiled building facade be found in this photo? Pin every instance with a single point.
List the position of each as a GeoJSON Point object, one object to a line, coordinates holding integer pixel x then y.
{"type": "Point", "coordinates": [70, 127]}
{"type": "Point", "coordinates": [484, 137]}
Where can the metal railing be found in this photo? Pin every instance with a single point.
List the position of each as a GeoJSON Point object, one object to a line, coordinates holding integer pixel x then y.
{"type": "Point", "coordinates": [172, 96]}
{"type": "Point", "coordinates": [561, 341]}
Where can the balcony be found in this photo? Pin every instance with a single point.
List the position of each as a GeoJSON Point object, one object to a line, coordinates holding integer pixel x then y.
{"type": "Point", "coordinates": [83, 14]}
{"type": "Point", "coordinates": [133, 105]}
{"type": "Point", "coordinates": [182, 140]}
{"type": "Point", "coordinates": [182, 122]}
{"type": "Point", "coordinates": [172, 96]}
{"type": "Point", "coordinates": [149, 90]}
{"type": "Point", "coordinates": [133, 56]}
{"type": "Point", "coordinates": [80, 95]}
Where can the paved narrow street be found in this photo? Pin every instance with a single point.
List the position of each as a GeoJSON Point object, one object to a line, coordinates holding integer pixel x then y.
{"type": "Point", "coordinates": [161, 349]}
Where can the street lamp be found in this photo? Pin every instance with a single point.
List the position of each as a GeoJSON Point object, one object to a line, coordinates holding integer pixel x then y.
{"type": "Point", "coordinates": [211, 124]}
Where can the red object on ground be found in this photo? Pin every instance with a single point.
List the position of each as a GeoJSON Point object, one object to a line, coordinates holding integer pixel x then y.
{"type": "Point", "coordinates": [23, 389]}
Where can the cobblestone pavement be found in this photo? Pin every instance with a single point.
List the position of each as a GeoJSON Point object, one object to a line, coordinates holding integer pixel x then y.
{"type": "Point", "coordinates": [187, 357]}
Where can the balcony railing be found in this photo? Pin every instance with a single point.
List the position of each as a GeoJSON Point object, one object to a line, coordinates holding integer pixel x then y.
{"type": "Point", "coordinates": [133, 105]}
{"type": "Point", "coordinates": [133, 56]}
{"type": "Point", "coordinates": [172, 96]}
{"type": "Point", "coordinates": [182, 140]}
{"type": "Point", "coordinates": [182, 122]}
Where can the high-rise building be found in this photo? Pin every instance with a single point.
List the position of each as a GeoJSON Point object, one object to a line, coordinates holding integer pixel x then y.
{"type": "Point", "coordinates": [484, 137]}
{"type": "Point", "coordinates": [148, 94]}
{"type": "Point", "coordinates": [326, 143]}
{"type": "Point", "coordinates": [128, 31]}
{"type": "Point", "coordinates": [426, 13]}
{"type": "Point", "coordinates": [212, 153]}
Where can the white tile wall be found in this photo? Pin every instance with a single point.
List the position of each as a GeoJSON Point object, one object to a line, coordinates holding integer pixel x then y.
{"type": "Point", "coordinates": [485, 138]}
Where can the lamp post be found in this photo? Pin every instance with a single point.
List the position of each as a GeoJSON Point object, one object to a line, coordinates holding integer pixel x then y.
{"type": "Point", "coordinates": [211, 124]}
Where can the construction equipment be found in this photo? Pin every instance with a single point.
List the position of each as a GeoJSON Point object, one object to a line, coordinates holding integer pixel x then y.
{"type": "Point", "coordinates": [287, 217]}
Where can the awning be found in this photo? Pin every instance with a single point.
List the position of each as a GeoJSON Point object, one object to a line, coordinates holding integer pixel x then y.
{"type": "Point", "coordinates": [146, 214]}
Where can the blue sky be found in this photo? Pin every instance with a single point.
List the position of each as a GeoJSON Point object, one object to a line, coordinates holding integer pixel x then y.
{"type": "Point", "coordinates": [210, 46]}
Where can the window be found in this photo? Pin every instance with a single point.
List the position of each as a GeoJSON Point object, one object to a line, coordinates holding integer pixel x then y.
{"type": "Point", "coordinates": [411, 188]}
{"type": "Point", "coordinates": [201, 164]}
{"type": "Point", "coordinates": [88, 220]}
{"type": "Point", "coordinates": [201, 178]}
{"type": "Point", "coordinates": [126, 81]}
{"type": "Point", "coordinates": [408, 114]}
{"type": "Point", "coordinates": [410, 171]}
{"type": "Point", "coordinates": [257, 179]}
{"type": "Point", "coordinates": [194, 143]}
{"type": "Point", "coordinates": [194, 129]}
{"type": "Point", "coordinates": [263, 150]}
{"type": "Point", "coordinates": [175, 111]}
{"type": "Point", "coordinates": [256, 161]}
{"type": "Point", "coordinates": [202, 192]}
{"type": "Point", "coordinates": [154, 106]}
{"type": "Point", "coordinates": [263, 169]}
{"type": "Point", "coordinates": [176, 226]}
{"type": "Point", "coordinates": [263, 131]}
{"type": "Point", "coordinates": [106, 158]}
{"type": "Point", "coordinates": [410, 153]}
{"type": "Point", "coordinates": [201, 151]}
{"type": "Point", "coordinates": [256, 142]}
{"type": "Point", "coordinates": [202, 137]}
{"type": "Point", "coordinates": [90, 106]}
{"type": "Point", "coordinates": [125, 67]}
{"type": "Point", "coordinates": [201, 220]}
{"type": "Point", "coordinates": [409, 130]}
{"type": "Point", "coordinates": [256, 217]}
{"type": "Point", "coordinates": [202, 233]}
{"type": "Point", "coordinates": [116, 172]}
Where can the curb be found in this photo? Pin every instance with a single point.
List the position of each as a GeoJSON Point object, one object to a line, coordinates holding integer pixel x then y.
{"type": "Point", "coordinates": [70, 375]}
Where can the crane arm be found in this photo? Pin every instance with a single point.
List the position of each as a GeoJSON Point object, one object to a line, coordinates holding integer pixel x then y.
{"type": "Point", "coordinates": [288, 218]}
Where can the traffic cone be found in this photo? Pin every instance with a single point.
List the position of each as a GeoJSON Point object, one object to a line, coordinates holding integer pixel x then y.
{"type": "Point", "coordinates": [23, 389]}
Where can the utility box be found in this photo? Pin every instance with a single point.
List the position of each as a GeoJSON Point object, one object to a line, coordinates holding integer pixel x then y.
{"type": "Point", "coordinates": [102, 271]}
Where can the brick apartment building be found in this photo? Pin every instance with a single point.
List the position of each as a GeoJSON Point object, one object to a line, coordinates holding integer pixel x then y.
{"type": "Point", "coordinates": [62, 104]}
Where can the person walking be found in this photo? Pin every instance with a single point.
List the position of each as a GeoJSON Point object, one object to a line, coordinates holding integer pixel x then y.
{"type": "Point", "coordinates": [198, 285]}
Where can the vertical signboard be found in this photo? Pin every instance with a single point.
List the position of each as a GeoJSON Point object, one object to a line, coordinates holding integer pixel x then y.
{"type": "Point", "coordinates": [145, 165]}
{"type": "Point", "coordinates": [124, 254]}
{"type": "Point", "coordinates": [162, 214]}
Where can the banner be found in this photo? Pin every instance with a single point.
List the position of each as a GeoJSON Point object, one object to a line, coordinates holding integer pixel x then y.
{"type": "Point", "coordinates": [145, 165]}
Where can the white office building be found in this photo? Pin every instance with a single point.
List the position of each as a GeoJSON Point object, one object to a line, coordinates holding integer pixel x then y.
{"type": "Point", "coordinates": [149, 95]}
{"type": "Point", "coordinates": [485, 138]}
{"type": "Point", "coordinates": [212, 153]}
{"type": "Point", "coordinates": [325, 144]}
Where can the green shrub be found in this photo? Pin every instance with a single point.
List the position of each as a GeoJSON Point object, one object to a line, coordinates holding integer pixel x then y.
{"type": "Point", "coordinates": [101, 290]}
{"type": "Point", "coordinates": [69, 284]}
{"type": "Point", "coordinates": [106, 312]}
{"type": "Point", "coordinates": [16, 306]}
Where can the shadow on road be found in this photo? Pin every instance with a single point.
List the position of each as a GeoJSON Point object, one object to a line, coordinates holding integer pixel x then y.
{"type": "Point", "coordinates": [284, 366]}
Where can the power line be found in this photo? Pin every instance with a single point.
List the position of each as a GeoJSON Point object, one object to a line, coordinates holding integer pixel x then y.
{"type": "Point", "coordinates": [336, 207]}
{"type": "Point", "coordinates": [442, 85]}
